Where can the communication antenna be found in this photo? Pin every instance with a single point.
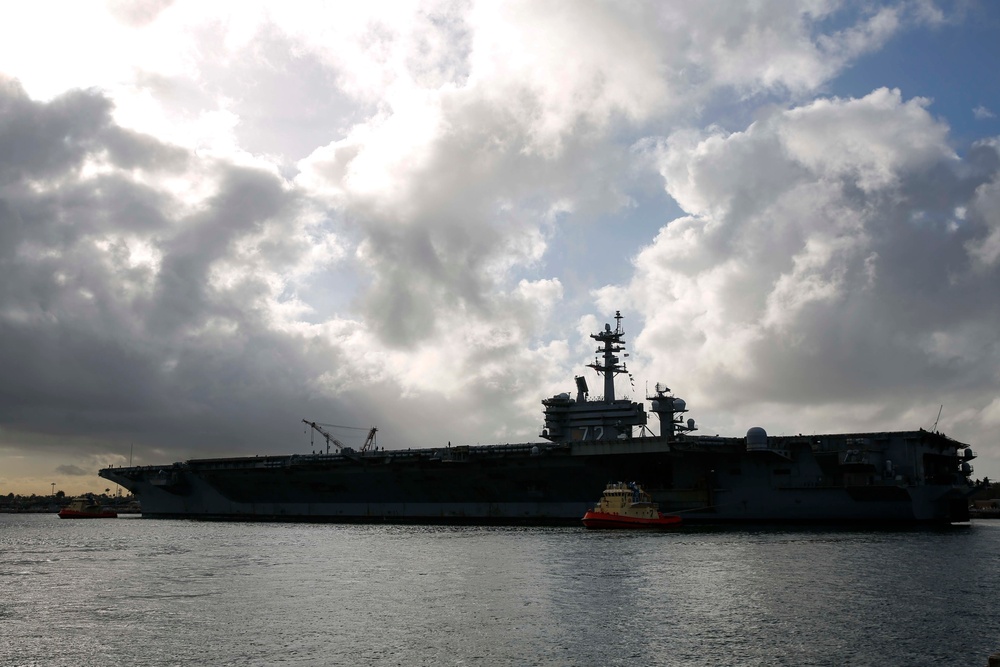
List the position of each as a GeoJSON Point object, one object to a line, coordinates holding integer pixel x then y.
{"type": "Point", "coordinates": [934, 428]}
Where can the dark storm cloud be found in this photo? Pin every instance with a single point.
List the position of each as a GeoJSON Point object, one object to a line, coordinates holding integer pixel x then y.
{"type": "Point", "coordinates": [44, 140]}
{"type": "Point", "coordinates": [246, 199]}
{"type": "Point", "coordinates": [122, 319]}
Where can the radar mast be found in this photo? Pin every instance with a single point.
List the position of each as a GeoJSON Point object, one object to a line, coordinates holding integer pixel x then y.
{"type": "Point", "coordinates": [606, 418]}
{"type": "Point", "coordinates": [612, 343]}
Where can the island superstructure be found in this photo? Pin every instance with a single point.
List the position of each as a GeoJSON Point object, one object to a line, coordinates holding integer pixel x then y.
{"type": "Point", "coordinates": [899, 476]}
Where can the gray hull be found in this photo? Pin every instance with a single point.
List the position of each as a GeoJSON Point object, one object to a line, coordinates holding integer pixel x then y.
{"type": "Point", "coordinates": [827, 478]}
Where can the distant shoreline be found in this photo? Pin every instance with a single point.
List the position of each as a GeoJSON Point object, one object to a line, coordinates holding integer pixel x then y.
{"type": "Point", "coordinates": [55, 511]}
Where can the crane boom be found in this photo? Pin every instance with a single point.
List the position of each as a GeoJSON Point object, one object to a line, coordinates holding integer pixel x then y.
{"type": "Point", "coordinates": [934, 428]}
{"type": "Point", "coordinates": [370, 440]}
{"type": "Point", "coordinates": [329, 438]}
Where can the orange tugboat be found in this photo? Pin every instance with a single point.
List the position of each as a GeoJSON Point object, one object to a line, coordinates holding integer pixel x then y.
{"type": "Point", "coordinates": [627, 506]}
{"type": "Point", "coordinates": [85, 508]}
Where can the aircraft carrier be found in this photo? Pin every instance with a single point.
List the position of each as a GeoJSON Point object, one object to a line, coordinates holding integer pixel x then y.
{"type": "Point", "coordinates": [889, 477]}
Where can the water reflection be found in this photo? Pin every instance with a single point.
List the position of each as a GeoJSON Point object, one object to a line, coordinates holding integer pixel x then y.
{"type": "Point", "coordinates": [164, 592]}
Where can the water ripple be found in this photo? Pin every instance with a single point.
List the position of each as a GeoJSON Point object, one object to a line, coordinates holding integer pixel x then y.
{"type": "Point", "coordinates": [164, 593]}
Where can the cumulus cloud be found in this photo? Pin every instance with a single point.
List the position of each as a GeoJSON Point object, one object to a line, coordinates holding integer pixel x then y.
{"type": "Point", "coordinates": [982, 113]}
{"type": "Point", "coordinates": [835, 254]}
{"type": "Point", "coordinates": [985, 249]}
{"type": "Point", "coordinates": [452, 189]}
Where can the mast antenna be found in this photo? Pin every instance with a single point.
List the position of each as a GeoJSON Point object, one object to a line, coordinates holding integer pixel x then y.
{"type": "Point", "coordinates": [934, 428]}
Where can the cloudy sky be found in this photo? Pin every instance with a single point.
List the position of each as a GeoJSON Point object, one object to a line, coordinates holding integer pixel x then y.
{"type": "Point", "coordinates": [217, 220]}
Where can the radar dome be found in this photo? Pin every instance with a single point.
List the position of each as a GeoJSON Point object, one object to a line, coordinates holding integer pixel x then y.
{"type": "Point", "coordinates": [756, 438]}
{"type": "Point", "coordinates": [679, 405]}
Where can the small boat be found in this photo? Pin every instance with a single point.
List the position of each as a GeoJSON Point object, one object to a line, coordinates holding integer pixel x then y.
{"type": "Point", "coordinates": [626, 505]}
{"type": "Point", "coordinates": [85, 508]}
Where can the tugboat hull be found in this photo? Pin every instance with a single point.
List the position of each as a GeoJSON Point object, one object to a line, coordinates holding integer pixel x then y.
{"type": "Point", "coordinates": [603, 520]}
{"type": "Point", "coordinates": [75, 514]}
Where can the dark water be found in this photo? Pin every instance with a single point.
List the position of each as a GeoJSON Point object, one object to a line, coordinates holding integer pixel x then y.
{"type": "Point", "coordinates": [141, 592]}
